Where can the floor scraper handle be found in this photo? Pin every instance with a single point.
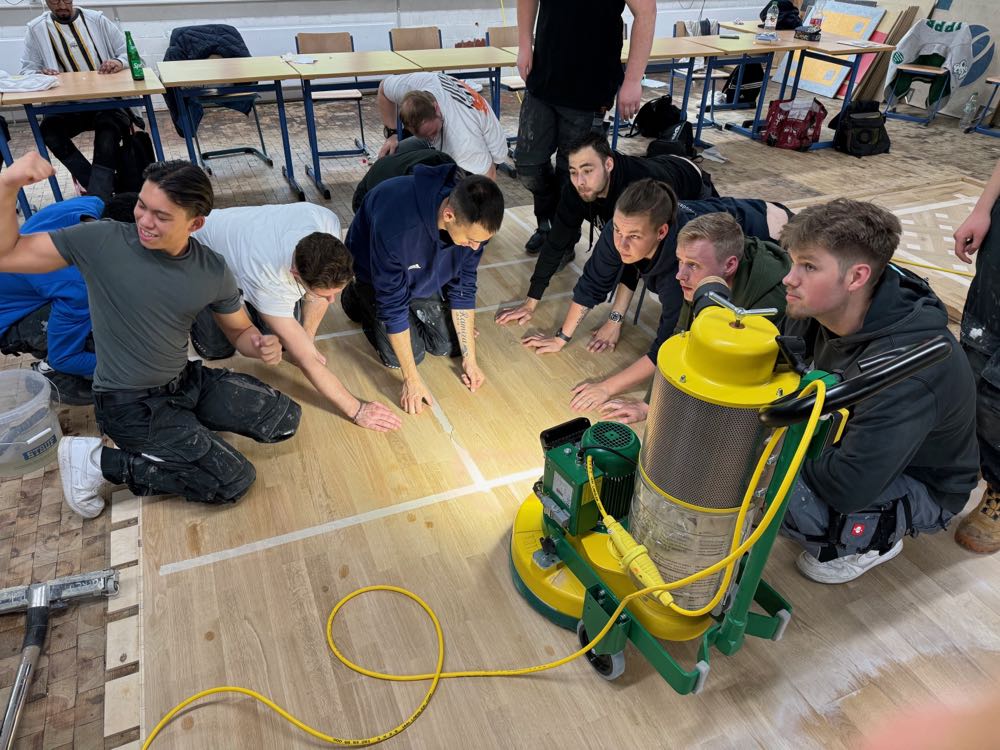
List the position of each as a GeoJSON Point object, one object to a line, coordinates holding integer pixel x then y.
{"type": "Point", "coordinates": [877, 374]}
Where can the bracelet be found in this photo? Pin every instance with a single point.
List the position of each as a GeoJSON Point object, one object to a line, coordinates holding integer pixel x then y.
{"type": "Point", "coordinates": [358, 412]}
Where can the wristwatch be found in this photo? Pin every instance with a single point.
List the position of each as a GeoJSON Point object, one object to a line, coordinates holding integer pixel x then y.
{"type": "Point", "coordinates": [615, 317]}
{"type": "Point", "coordinates": [389, 132]}
{"type": "Point", "coordinates": [560, 335]}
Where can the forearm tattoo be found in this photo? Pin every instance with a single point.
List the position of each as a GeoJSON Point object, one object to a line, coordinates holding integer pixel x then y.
{"type": "Point", "coordinates": [462, 329]}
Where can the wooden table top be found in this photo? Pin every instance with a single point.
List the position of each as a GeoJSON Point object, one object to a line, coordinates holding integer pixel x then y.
{"type": "Point", "coordinates": [89, 85]}
{"type": "Point", "coordinates": [829, 43]}
{"type": "Point", "coordinates": [670, 48]}
{"type": "Point", "coordinates": [747, 44]}
{"type": "Point", "coordinates": [225, 70]}
{"type": "Point", "coordinates": [346, 64]}
{"type": "Point", "coordinates": [460, 58]}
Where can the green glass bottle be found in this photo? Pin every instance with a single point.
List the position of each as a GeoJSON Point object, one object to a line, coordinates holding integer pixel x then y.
{"type": "Point", "coordinates": [134, 61]}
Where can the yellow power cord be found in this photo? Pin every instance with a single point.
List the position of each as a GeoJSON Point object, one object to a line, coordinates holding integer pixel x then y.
{"type": "Point", "coordinates": [435, 677]}
{"type": "Point", "coordinates": [915, 264]}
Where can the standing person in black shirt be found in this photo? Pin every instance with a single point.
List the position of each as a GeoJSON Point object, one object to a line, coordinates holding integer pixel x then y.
{"type": "Point", "coordinates": [597, 177]}
{"type": "Point", "coordinates": [572, 69]}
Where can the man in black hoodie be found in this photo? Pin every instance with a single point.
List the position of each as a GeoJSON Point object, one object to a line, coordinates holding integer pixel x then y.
{"type": "Point", "coordinates": [908, 458]}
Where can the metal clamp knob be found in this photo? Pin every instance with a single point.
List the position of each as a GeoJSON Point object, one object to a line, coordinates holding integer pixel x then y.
{"type": "Point", "coordinates": [740, 312]}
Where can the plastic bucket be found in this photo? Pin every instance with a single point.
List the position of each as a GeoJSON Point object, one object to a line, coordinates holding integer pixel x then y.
{"type": "Point", "coordinates": [29, 429]}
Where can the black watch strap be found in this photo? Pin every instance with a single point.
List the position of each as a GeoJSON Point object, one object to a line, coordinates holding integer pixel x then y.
{"type": "Point", "coordinates": [563, 336]}
{"type": "Point", "coordinates": [389, 132]}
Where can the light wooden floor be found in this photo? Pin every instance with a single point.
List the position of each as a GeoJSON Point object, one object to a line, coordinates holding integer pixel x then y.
{"type": "Point", "coordinates": [240, 595]}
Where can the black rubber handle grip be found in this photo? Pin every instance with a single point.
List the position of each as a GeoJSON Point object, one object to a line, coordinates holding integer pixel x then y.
{"type": "Point", "coordinates": [877, 374]}
{"type": "Point", "coordinates": [37, 625]}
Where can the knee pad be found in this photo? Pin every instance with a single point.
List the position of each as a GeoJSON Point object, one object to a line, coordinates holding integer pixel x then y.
{"type": "Point", "coordinates": [284, 422]}
{"type": "Point", "coordinates": [537, 178]}
{"type": "Point", "coordinates": [239, 486]}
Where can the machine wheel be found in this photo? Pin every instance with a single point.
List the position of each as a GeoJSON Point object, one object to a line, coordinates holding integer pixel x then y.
{"type": "Point", "coordinates": [608, 666]}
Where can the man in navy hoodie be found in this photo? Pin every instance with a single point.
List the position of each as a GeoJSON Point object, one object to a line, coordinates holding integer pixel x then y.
{"type": "Point", "coordinates": [47, 316]}
{"type": "Point", "coordinates": [416, 242]}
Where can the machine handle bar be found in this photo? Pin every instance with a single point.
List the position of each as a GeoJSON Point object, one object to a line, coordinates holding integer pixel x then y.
{"type": "Point", "coordinates": [877, 373]}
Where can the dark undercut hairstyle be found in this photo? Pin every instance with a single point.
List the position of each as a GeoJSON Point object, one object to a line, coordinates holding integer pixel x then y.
{"type": "Point", "coordinates": [649, 197]}
{"type": "Point", "coordinates": [851, 231]}
{"type": "Point", "coordinates": [478, 200]}
{"type": "Point", "coordinates": [184, 184]}
{"type": "Point", "coordinates": [590, 139]}
{"type": "Point", "coordinates": [323, 261]}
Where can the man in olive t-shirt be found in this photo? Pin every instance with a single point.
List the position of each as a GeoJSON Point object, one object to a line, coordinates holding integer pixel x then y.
{"type": "Point", "coordinates": [146, 283]}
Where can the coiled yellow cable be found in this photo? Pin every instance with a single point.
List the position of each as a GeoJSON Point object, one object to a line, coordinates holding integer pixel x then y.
{"type": "Point", "coordinates": [438, 674]}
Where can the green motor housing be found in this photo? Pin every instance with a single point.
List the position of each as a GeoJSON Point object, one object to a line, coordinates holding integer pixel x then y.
{"type": "Point", "coordinates": [615, 449]}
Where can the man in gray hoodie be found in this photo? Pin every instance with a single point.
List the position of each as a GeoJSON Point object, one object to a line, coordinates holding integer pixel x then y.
{"type": "Point", "coordinates": [908, 458]}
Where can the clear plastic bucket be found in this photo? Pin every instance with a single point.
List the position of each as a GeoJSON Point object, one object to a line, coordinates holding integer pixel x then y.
{"type": "Point", "coordinates": [29, 428]}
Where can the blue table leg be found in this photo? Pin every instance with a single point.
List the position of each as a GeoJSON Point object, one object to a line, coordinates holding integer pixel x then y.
{"type": "Point", "coordinates": [288, 170]}
{"type": "Point", "coordinates": [762, 96]}
{"type": "Point", "coordinates": [688, 79]}
{"type": "Point", "coordinates": [704, 101]}
{"type": "Point", "coordinates": [615, 128]}
{"type": "Point", "coordinates": [154, 131]}
{"type": "Point", "coordinates": [8, 159]}
{"type": "Point", "coordinates": [314, 171]}
{"type": "Point", "coordinates": [40, 142]}
{"type": "Point", "coordinates": [784, 78]}
{"type": "Point", "coordinates": [798, 74]}
{"type": "Point", "coordinates": [187, 124]}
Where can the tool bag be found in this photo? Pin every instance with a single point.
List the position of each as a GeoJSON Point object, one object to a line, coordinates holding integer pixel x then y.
{"type": "Point", "coordinates": [860, 131]}
{"type": "Point", "coordinates": [793, 124]}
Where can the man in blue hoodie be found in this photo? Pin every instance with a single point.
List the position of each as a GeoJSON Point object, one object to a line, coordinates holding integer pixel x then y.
{"type": "Point", "coordinates": [416, 242]}
{"type": "Point", "coordinates": [46, 315]}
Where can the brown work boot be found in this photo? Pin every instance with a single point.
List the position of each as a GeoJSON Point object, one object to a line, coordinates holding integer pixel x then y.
{"type": "Point", "coordinates": [979, 531]}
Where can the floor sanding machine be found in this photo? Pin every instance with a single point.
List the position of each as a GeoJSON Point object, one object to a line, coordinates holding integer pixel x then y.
{"type": "Point", "coordinates": [692, 511]}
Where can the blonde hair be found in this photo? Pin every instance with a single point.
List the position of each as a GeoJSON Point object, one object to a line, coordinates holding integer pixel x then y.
{"type": "Point", "coordinates": [719, 228]}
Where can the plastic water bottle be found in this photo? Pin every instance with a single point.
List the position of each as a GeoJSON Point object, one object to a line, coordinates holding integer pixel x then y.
{"type": "Point", "coordinates": [771, 21]}
{"type": "Point", "coordinates": [969, 111]}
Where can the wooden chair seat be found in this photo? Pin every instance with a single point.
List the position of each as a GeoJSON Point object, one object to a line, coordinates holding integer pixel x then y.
{"type": "Point", "coordinates": [347, 95]}
{"type": "Point", "coordinates": [514, 83]}
{"type": "Point", "coordinates": [925, 70]}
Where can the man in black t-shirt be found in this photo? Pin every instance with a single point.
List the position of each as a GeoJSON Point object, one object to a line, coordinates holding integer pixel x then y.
{"type": "Point", "coordinates": [146, 284]}
{"type": "Point", "coordinates": [572, 69]}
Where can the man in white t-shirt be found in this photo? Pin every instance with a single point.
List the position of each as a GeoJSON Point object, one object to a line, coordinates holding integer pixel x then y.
{"type": "Point", "coordinates": [290, 265]}
{"type": "Point", "coordinates": [448, 114]}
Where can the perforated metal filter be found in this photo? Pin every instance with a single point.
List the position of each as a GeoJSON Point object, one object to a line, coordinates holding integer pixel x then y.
{"type": "Point", "coordinates": [698, 452]}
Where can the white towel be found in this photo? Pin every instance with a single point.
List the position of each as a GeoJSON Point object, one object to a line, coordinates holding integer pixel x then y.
{"type": "Point", "coordinates": [28, 82]}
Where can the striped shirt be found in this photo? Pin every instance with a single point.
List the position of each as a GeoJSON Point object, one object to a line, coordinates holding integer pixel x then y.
{"type": "Point", "coordinates": [73, 44]}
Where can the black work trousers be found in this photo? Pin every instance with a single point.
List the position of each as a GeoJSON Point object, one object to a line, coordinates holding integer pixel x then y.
{"type": "Point", "coordinates": [545, 129]}
{"type": "Point", "coordinates": [431, 328]}
{"type": "Point", "coordinates": [981, 341]}
{"type": "Point", "coordinates": [167, 441]}
{"type": "Point", "coordinates": [109, 126]}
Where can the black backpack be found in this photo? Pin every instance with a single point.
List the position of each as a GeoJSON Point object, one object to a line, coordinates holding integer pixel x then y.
{"type": "Point", "coordinates": [134, 154]}
{"type": "Point", "coordinates": [753, 78]}
{"type": "Point", "coordinates": [655, 117]}
{"type": "Point", "coordinates": [676, 141]}
{"type": "Point", "coordinates": [860, 131]}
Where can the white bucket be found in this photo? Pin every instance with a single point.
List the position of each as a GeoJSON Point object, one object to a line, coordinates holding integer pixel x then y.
{"type": "Point", "coordinates": [29, 429]}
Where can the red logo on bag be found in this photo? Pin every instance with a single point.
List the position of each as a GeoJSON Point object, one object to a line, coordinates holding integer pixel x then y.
{"type": "Point", "coordinates": [857, 529]}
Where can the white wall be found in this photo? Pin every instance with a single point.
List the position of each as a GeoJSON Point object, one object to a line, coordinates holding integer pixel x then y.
{"type": "Point", "coordinates": [270, 27]}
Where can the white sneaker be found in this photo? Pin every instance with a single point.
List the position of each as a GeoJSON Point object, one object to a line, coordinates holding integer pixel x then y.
{"type": "Point", "coordinates": [82, 480]}
{"type": "Point", "coordinates": [843, 569]}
